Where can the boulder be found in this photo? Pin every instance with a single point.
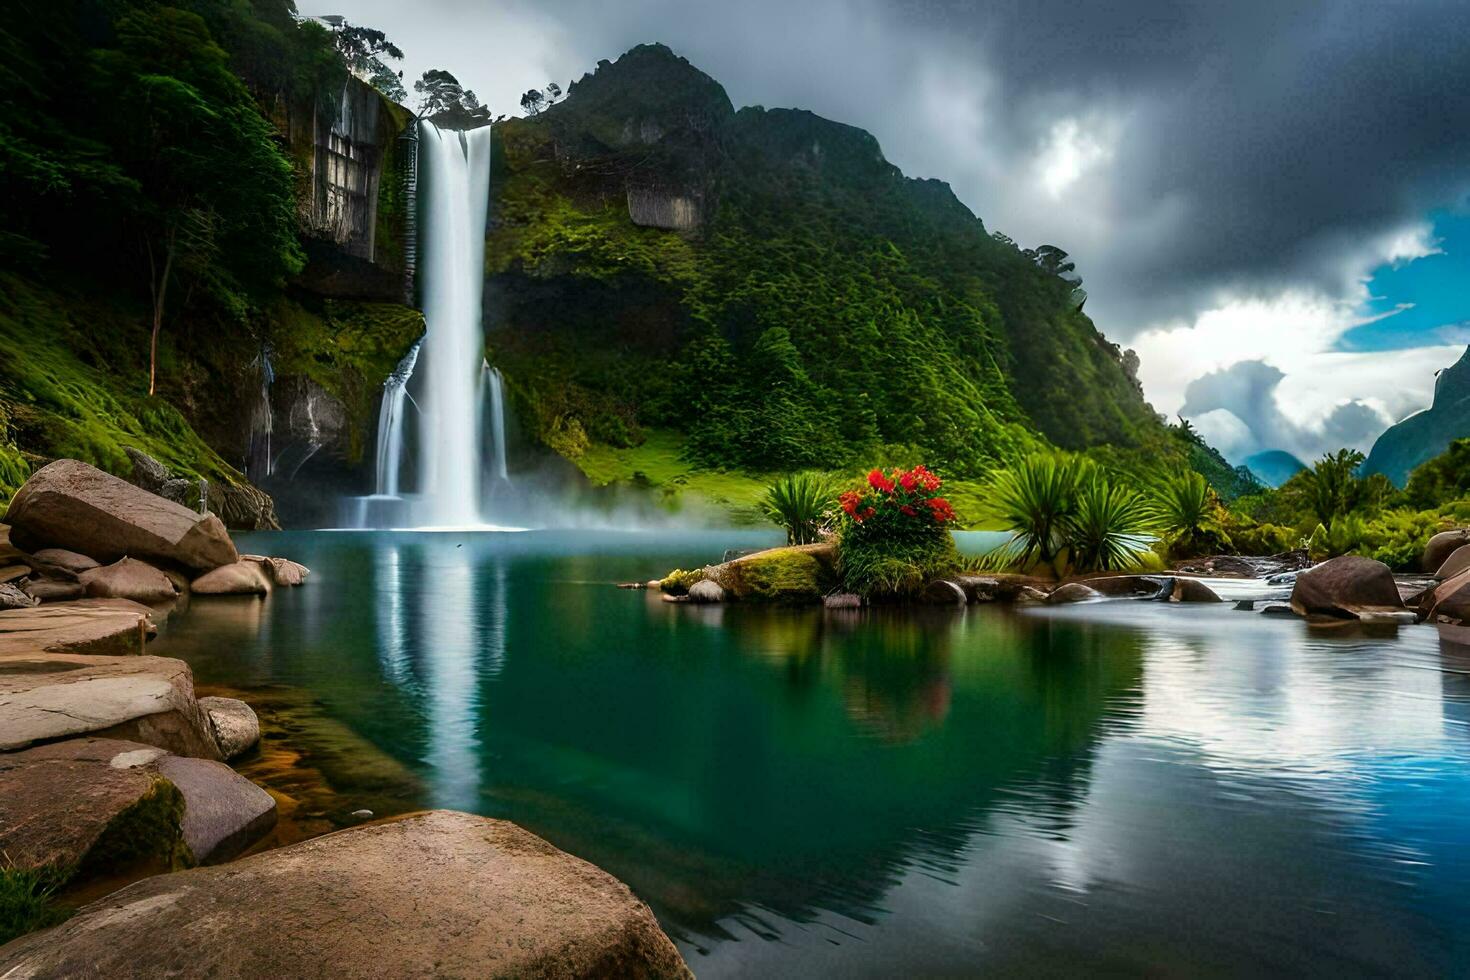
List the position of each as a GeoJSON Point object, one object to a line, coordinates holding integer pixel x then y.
{"type": "Point", "coordinates": [843, 600]}
{"type": "Point", "coordinates": [233, 724]}
{"type": "Point", "coordinates": [281, 571]}
{"type": "Point", "coordinates": [1132, 586]}
{"type": "Point", "coordinates": [1345, 587]}
{"type": "Point", "coordinates": [69, 504]}
{"type": "Point", "coordinates": [48, 696]}
{"type": "Point", "coordinates": [243, 577]}
{"type": "Point", "coordinates": [1074, 592]}
{"type": "Point", "coordinates": [1449, 602]}
{"type": "Point", "coordinates": [1457, 562]}
{"type": "Point", "coordinates": [943, 592]}
{"type": "Point", "coordinates": [799, 573]}
{"type": "Point", "coordinates": [1192, 590]}
{"type": "Point", "coordinates": [92, 803]}
{"type": "Point", "coordinates": [705, 591]}
{"type": "Point", "coordinates": [96, 626]}
{"type": "Point", "coordinates": [53, 590]}
{"type": "Point", "coordinates": [14, 597]}
{"type": "Point", "coordinates": [979, 588]}
{"type": "Point", "coordinates": [436, 894]}
{"type": "Point", "coordinates": [70, 560]}
{"type": "Point", "coordinates": [14, 573]}
{"type": "Point", "coordinates": [1441, 546]}
{"type": "Point", "coordinates": [129, 578]}
{"type": "Point", "coordinates": [224, 812]}
{"type": "Point", "coordinates": [86, 804]}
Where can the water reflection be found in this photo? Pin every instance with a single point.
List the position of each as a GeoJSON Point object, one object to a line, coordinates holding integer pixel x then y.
{"type": "Point", "coordinates": [1124, 787]}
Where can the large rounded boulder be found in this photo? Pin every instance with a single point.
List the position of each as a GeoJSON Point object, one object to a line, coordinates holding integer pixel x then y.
{"type": "Point", "coordinates": [1441, 546]}
{"type": "Point", "coordinates": [1347, 587]}
{"type": "Point", "coordinates": [129, 578]}
{"type": "Point", "coordinates": [69, 504]}
{"type": "Point", "coordinates": [437, 894]}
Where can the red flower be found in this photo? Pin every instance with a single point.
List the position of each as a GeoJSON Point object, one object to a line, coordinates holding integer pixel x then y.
{"type": "Point", "coordinates": [878, 481]}
{"type": "Point", "coordinates": [941, 510]}
{"type": "Point", "coordinates": [866, 513]}
{"type": "Point", "coordinates": [849, 501]}
{"type": "Point", "coordinates": [909, 510]}
{"type": "Point", "coordinates": [908, 481]}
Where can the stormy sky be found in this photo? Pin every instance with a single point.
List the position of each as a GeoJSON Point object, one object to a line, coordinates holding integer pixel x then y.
{"type": "Point", "coordinates": [1265, 198]}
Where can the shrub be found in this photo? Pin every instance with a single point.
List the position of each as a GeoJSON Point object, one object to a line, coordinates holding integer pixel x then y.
{"type": "Point", "coordinates": [27, 901]}
{"type": "Point", "coordinates": [1191, 516]}
{"type": "Point", "coordinates": [799, 504]}
{"type": "Point", "coordinates": [893, 534]}
{"type": "Point", "coordinates": [1034, 500]}
{"type": "Point", "coordinates": [1252, 537]}
{"type": "Point", "coordinates": [1111, 526]}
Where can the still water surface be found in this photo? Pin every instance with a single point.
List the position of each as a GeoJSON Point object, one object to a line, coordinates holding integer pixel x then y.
{"type": "Point", "coordinates": [1119, 787]}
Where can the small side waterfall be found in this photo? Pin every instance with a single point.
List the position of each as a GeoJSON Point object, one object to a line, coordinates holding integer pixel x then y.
{"type": "Point", "coordinates": [258, 462]}
{"type": "Point", "coordinates": [390, 424]}
{"type": "Point", "coordinates": [494, 393]}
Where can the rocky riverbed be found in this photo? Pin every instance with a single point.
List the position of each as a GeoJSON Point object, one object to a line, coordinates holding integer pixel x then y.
{"type": "Point", "coordinates": [113, 769]}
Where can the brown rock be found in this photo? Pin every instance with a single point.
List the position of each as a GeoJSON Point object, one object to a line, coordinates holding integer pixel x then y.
{"type": "Point", "coordinates": [1132, 586]}
{"type": "Point", "coordinates": [233, 723]}
{"type": "Point", "coordinates": [49, 696]}
{"type": "Point", "coordinates": [14, 597]}
{"type": "Point", "coordinates": [244, 577]}
{"type": "Point", "coordinates": [1441, 546]}
{"type": "Point", "coordinates": [96, 626]}
{"type": "Point", "coordinates": [1073, 592]}
{"type": "Point", "coordinates": [69, 560]}
{"type": "Point", "coordinates": [281, 571]}
{"type": "Point", "coordinates": [224, 812]}
{"type": "Point", "coordinates": [67, 805]}
{"type": "Point", "coordinates": [53, 590]}
{"type": "Point", "coordinates": [72, 505]}
{"type": "Point", "coordinates": [129, 578]}
{"type": "Point", "coordinates": [14, 573]}
{"type": "Point", "coordinates": [943, 592]}
{"type": "Point", "coordinates": [1449, 601]}
{"type": "Point", "coordinates": [1346, 587]}
{"type": "Point", "coordinates": [1457, 562]}
{"type": "Point", "coordinates": [436, 894]}
{"type": "Point", "coordinates": [1192, 590]}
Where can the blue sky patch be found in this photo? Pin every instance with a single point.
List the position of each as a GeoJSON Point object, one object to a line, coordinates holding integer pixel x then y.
{"type": "Point", "coordinates": [1435, 291]}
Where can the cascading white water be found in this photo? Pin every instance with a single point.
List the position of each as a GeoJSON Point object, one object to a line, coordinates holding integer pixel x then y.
{"type": "Point", "coordinates": [495, 393]}
{"type": "Point", "coordinates": [390, 424]}
{"type": "Point", "coordinates": [456, 169]}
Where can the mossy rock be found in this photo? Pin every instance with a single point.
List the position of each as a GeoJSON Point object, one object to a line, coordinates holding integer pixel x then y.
{"type": "Point", "coordinates": [678, 581]}
{"type": "Point", "coordinates": [791, 575]}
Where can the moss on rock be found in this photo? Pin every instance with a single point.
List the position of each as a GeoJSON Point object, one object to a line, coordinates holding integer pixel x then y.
{"type": "Point", "coordinates": [148, 832]}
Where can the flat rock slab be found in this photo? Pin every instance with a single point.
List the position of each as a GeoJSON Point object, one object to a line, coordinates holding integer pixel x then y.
{"type": "Point", "coordinates": [95, 626]}
{"type": "Point", "coordinates": [438, 894]}
{"type": "Point", "coordinates": [49, 696]}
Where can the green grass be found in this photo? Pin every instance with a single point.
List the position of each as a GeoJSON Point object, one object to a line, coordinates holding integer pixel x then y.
{"type": "Point", "coordinates": [658, 464]}
{"type": "Point", "coordinates": [27, 902]}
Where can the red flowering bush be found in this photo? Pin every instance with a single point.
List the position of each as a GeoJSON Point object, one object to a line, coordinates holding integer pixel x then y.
{"type": "Point", "coordinates": [893, 535]}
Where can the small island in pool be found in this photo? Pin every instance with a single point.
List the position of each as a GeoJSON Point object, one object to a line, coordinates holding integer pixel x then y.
{"type": "Point", "coordinates": [459, 524]}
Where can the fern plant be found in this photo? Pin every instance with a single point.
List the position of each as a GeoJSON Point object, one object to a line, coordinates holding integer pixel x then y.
{"type": "Point", "coordinates": [1034, 499]}
{"type": "Point", "coordinates": [799, 503]}
{"type": "Point", "coordinates": [1111, 527]}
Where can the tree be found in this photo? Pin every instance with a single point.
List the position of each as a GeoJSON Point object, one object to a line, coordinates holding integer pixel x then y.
{"type": "Point", "coordinates": [1331, 488]}
{"type": "Point", "coordinates": [553, 92]}
{"type": "Point", "coordinates": [363, 50]}
{"type": "Point", "coordinates": [440, 94]}
{"type": "Point", "coordinates": [533, 102]}
{"type": "Point", "coordinates": [213, 195]}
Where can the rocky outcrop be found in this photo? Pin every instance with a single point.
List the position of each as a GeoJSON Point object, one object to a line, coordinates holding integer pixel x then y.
{"type": "Point", "coordinates": [1420, 437]}
{"type": "Point", "coordinates": [69, 504]}
{"type": "Point", "coordinates": [91, 626]}
{"type": "Point", "coordinates": [128, 579]}
{"type": "Point", "coordinates": [224, 812]}
{"type": "Point", "coordinates": [802, 573]}
{"type": "Point", "coordinates": [282, 571]}
{"type": "Point", "coordinates": [49, 696]}
{"type": "Point", "coordinates": [1192, 590]}
{"type": "Point", "coordinates": [1073, 592]}
{"type": "Point", "coordinates": [442, 894]}
{"type": "Point", "coordinates": [14, 597]}
{"type": "Point", "coordinates": [241, 578]}
{"type": "Point", "coordinates": [233, 723]}
{"type": "Point", "coordinates": [1350, 587]}
{"type": "Point", "coordinates": [70, 561]}
{"type": "Point", "coordinates": [239, 505]}
{"type": "Point", "coordinates": [1457, 562]}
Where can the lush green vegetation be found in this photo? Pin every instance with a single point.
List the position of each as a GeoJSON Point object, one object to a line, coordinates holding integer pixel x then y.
{"type": "Point", "coordinates": [798, 503]}
{"type": "Point", "coordinates": [27, 902]}
{"type": "Point", "coordinates": [820, 312]}
{"type": "Point", "coordinates": [893, 534]}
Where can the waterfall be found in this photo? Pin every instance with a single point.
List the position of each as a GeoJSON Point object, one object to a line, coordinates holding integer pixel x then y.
{"type": "Point", "coordinates": [452, 275]}
{"type": "Point", "coordinates": [495, 393]}
{"type": "Point", "coordinates": [390, 424]}
{"type": "Point", "coordinates": [258, 463]}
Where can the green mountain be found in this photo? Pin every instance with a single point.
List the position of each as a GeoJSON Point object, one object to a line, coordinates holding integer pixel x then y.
{"type": "Point", "coordinates": [766, 284]}
{"type": "Point", "coordinates": [1274, 466]}
{"type": "Point", "coordinates": [1426, 434]}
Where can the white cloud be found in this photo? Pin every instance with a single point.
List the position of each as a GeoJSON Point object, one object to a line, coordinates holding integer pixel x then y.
{"type": "Point", "coordinates": [1072, 149]}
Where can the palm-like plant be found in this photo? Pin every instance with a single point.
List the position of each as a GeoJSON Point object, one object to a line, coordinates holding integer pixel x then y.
{"type": "Point", "coordinates": [1110, 526]}
{"type": "Point", "coordinates": [799, 503]}
{"type": "Point", "coordinates": [1034, 500]}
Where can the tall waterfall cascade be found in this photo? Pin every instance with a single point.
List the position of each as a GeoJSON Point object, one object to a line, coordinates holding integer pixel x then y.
{"type": "Point", "coordinates": [441, 426]}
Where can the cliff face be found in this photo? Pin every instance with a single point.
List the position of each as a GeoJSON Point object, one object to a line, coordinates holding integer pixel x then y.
{"type": "Point", "coordinates": [761, 281]}
{"type": "Point", "coordinates": [1424, 435]}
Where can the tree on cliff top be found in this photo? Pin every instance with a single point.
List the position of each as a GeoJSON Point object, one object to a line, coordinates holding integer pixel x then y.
{"type": "Point", "coordinates": [441, 95]}
{"type": "Point", "coordinates": [363, 49]}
